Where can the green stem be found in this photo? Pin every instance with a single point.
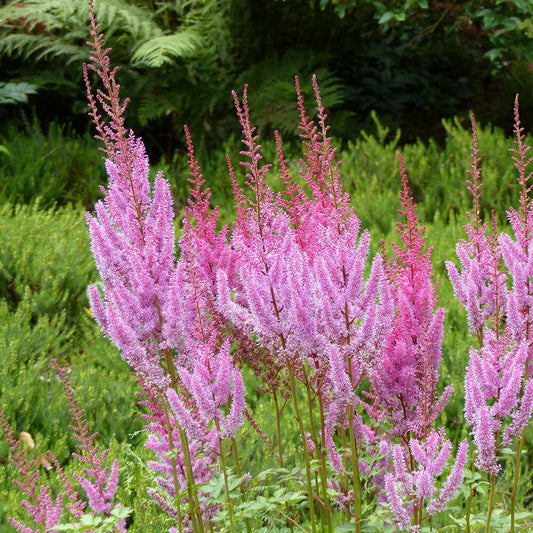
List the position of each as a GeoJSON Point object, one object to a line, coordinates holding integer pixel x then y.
{"type": "Point", "coordinates": [194, 506]}
{"type": "Point", "coordinates": [225, 474]}
{"type": "Point", "coordinates": [278, 428]}
{"type": "Point", "coordinates": [491, 501]}
{"type": "Point", "coordinates": [357, 497]}
{"type": "Point", "coordinates": [321, 448]}
{"type": "Point", "coordinates": [238, 471]}
{"type": "Point", "coordinates": [468, 511]}
{"type": "Point", "coordinates": [310, 499]}
{"type": "Point", "coordinates": [174, 468]}
{"type": "Point", "coordinates": [515, 481]}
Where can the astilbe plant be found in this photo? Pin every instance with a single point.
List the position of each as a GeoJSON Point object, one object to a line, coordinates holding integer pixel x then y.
{"type": "Point", "coordinates": [494, 286]}
{"type": "Point", "coordinates": [403, 398]}
{"type": "Point", "coordinates": [154, 307]}
{"type": "Point", "coordinates": [289, 290]}
{"type": "Point", "coordinates": [299, 288]}
{"type": "Point", "coordinates": [99, 482]}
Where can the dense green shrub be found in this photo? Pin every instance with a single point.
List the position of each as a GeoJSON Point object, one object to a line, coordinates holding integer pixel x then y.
{"type": "Point", "coordinates": [45, 261]}
{"type": "Point", "coordinates": [57, 166]}
{"type": "Point", "coordinates": [45, 266]}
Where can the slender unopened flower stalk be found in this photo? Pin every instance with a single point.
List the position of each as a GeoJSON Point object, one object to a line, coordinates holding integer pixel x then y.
{"type": "Point", "coordinates": [44, 512]}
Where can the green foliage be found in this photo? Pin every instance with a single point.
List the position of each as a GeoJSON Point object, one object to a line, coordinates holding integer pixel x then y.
{"type": "Point", "coordinates": [45, 262]}
{"type": "Point", "coordinates": [43, 29]}
{"type": "Point", "coordinates": [272, 93]}
{"type": "Point", "coordinates": [436, 176]}
{"type": "Point", "coordinates": [179, 60]}
{"type": "Point", "coordinates": [170, 51]}
{"type": "Point", "coordinates": [504, 24]}
{"type": "Point", "coordinates": [165, 48]}
{"type": "Point", "coordinates": [12, 93]}
{"type": "Point", "coordinates": [45, 267]}
{"type": "Point", "coordinates": [97, 524]}
{"type": "Point", "coordinates": [55, 166]}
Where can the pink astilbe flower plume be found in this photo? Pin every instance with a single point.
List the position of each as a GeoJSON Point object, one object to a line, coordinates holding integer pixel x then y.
{"type": "Point", "coordinates": [404, 382]}
{"type": "Point", "coordinates": [494, 286]}
{"type": "Point", "coordinates": [403, 396]}
{"type": "Point", "coordinates": [162, 312]}
{"type": "Point", "coordinates": [202, 451]}
{"type": "Point", "coordinates": [39, 503]}
{"type": "Point", "coordinates": [299, 262]}
{"type": "Point", "coordinates": [99, 482]}
{"type": "Point", "coordinates": [132, 232]}
{"type": "Point", "coordinates": [412, 491]}
{"type": "Point", "coordinates": [216, 388]}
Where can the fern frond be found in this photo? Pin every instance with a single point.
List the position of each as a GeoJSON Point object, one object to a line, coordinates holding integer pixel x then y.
{"type": "Point", "coordinates": [166, 48]}
{"type": "Point", "coordinates": [137, 22]}
{"type": "Point", "coordinates": [49, 28]}
{"type": "Point", "coordinates": [40, 47]}
{"type": "Point", "coordinates": [153, 106]}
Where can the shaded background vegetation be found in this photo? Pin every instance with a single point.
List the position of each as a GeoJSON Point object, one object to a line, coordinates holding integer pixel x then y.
{"type": "Point", "coordinates": [413, 62]}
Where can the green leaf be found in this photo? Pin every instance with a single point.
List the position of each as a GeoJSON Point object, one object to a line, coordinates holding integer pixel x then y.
{"type": "Point", "coordinates": [166, 48]}
{"type": "Point", "coordinates": [12, 93]}
{"type": "Point", "coordinates": [386, 17]}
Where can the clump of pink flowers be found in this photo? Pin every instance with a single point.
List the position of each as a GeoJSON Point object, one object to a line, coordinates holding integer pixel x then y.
{"type": "Point", "coordinates": [98, 481]}
{"type": "Point", "coordinates": [291, 287]}
{"type": "Point", "coordinates": [346, 347]}
{"type": "Point", "coordinates": [494, 286]}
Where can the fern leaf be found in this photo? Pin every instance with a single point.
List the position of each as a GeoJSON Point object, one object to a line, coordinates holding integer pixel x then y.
{"type": "Point", "coordinates": [49, 28]}
{"type": "Point", "coordinates": [166, 48]}
{"type": "Point", "coordinates": [39, 46]}
{"type": "Point", "coordinates": [133, 20]}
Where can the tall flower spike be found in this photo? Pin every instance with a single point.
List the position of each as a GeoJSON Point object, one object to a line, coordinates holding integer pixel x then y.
{"type": "Point", "coordinates": [99, 482]}
{"type": "Point", "coordinates": [132, 233]}
{"type": "Point", "coordinates": [404, 382]}
{"type": "Point", "coordinates": [495, 288]}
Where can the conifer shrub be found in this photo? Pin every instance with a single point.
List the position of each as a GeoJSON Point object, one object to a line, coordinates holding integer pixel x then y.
{"type": "Point", "coordinates": [53, 166]}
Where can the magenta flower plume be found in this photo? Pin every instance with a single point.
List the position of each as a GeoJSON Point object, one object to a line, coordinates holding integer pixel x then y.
{"type": "Point", "coordinates": [494, 287]}
{"type": "Point", "coordinates": [481, 284]}
{"type": "Point", "coordinates": [216, 390]}
{"type": "Point", "coordinates": [99, 482]}
{"type": "Point", "coordinates": [132, 233]}
{"type": "Point", "coordinates": [299, 262]}
{"type": "Point", "coordinates": [411, 490]}
{"type": "Point", "coordinates": [404, 382]}
{"type": "Point", "coordinates": [190, 312]}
